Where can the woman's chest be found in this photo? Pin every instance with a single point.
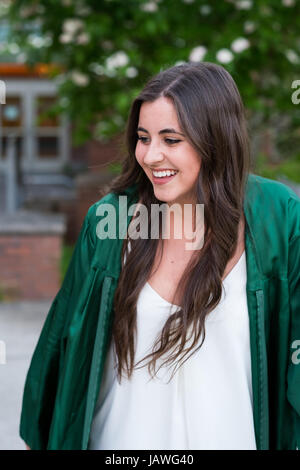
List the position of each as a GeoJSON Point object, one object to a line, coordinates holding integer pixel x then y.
{"type": "Point", "coordinates": [171, 263]}
{"type": "Point", "coordinates": [167, 272]}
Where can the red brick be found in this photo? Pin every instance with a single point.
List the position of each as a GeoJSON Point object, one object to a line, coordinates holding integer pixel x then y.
{"type": "Point", "coordinates": [29, 266]}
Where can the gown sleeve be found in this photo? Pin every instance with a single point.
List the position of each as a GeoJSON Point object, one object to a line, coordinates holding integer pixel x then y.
{"type": "Point", "coordinates": [42, 377]}
{"type": "Point", "coordinates": [293, 374]}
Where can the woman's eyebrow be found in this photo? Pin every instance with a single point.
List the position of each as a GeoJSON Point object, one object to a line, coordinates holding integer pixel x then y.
{"type": "Point", "coordinates": [163, 131]}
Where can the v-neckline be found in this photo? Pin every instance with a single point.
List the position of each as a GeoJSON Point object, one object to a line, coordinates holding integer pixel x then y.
{"type": "Point", "coordinates": [160, 297]}
{"type": "Point", "coordinates": [236, 264]}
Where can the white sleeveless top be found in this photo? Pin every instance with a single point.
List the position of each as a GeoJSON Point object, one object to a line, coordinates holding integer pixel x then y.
{"type": "Point", "coordinates": [208, 403]}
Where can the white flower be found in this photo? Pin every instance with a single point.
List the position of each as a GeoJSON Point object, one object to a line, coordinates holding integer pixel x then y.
{"type": "Point", "coordinates": [13, 48]}
{"type": "Point", "coordinates": [149, 7]}
{"type": "Point", "coordinates": [83, 38]}
{"type": "Point", "coordinates": [224, 56]}
{"type": "Point", "coordinates": [79, 78]}
{"type": "Point", "coordinates": [244, 4]}
{"type": "Point", "coordinates": [292, 56]}
{"type": "Point", "coordinates": [72, 26]}
{"type": "Point", "coordinates": [65, 38]}
{"type": "Point", "coordinates": [110, 72]}
{"type": "Point", "coordinates": [97, 68]}
{"type": "Point", "coordinates": [131, 72]}
{"type": "Point", "coordinates": [197, 54]}
{"type": "Point", "coordinates": [119, 59]}
{"type": "Point", "coordinates": [240, 44]}
{"type": "Point", "coordinates": [38, 41]}
{"type": "Point", "coordinates": [205, 10]}
{"type": "Point", "coordinates": [288, 3]}
{"type": "Point", "coordinates": [249, 27]}
{"type": "Point", "coordinates": [71, 29]}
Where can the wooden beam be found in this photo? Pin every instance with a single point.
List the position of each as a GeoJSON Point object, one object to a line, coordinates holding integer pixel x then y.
{"type": "Point", "coordinates": [23, 70]}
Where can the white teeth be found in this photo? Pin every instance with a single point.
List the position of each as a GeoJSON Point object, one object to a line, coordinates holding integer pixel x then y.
{"type": "Point", "coordinates": [161, 174]}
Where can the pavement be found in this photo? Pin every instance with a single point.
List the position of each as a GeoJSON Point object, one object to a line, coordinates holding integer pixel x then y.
{"type": "Point", "coordinates": [20, 327]}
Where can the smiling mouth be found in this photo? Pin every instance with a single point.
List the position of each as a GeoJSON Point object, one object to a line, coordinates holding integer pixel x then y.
{"type": "Point", "coordinates": [164, 173]}
{"type": "Point", "coordinates": [162, 177]}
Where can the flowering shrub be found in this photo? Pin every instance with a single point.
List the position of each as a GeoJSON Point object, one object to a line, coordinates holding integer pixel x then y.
{"type": "Point", "coordinates": [106, 50]}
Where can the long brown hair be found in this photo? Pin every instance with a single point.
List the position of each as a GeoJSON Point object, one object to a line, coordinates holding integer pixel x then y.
{"type": "Point", "coordinates": [211, 115]}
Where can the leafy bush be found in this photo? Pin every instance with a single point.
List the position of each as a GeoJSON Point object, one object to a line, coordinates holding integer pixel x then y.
{"type": "Point", "coordinates": [289, 168]}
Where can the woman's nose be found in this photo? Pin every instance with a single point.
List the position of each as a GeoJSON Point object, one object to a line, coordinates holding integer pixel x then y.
{"type": "Point", "coordinates": [153, 155]}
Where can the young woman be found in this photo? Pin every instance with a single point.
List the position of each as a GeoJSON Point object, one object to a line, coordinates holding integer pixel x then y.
{"type": "Point", "coordinates": [150, 345]}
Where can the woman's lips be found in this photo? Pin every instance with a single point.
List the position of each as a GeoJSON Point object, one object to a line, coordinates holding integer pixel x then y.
{"type": "Point", "coordinates": [162, 179]}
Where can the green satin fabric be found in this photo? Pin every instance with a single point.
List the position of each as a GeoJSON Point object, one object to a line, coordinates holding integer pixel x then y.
{"type": "Point", "coordinates": [65, 373]}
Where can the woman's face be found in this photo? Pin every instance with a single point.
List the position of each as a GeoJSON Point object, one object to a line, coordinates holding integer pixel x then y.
{"type": "Point", "coordinates": [168, 159]}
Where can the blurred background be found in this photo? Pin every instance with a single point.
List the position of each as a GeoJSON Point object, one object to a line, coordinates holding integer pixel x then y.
{"type": "Point", "coordinates": [69, 71]}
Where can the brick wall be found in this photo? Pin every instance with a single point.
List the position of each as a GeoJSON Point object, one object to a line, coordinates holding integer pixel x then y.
{"type": "Point", "coordinates": [101, 154]}
{"type": "Point", "coordinates": [30, 254]}
{"type": "Point", "coordinates": [30, 266]}
{"type": "Point", "coordinates": [88, 191]}
{"type": "Point", "coordinates": [97, 155]}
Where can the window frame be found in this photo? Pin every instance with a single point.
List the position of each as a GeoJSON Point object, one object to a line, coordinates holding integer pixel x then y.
{"type": "Point", "coordinates": [29, 90]}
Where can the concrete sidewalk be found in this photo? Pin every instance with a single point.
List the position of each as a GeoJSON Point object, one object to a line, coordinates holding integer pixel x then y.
{"type": "Point", "coordinates": [20, 327]}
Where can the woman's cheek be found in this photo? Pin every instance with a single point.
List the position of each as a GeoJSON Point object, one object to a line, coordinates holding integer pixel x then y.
{"type": "Point", "coordinates": [137, 152]}
{"type": "Point", "coordinates": [139, 155]}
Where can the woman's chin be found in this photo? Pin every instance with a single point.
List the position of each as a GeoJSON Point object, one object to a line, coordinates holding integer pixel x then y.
{"type": "Point", "coordinates": [163, 196]}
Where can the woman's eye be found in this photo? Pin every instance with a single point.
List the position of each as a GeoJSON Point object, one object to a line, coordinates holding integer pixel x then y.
{"type": "Point", "coordinates": [142, 138]}
{"type": "Point", "coordinates": [146, 140]}
{"type": "Point", "coordinates": [172, 141]}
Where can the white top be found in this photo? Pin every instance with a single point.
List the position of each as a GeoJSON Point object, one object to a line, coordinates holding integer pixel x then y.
{"type": "Point", "coordinates": [208, 403]}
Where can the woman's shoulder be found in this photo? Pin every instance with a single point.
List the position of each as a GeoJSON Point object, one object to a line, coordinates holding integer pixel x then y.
{"type": "Point", "coordinates": [271, 205]}
{"type": "Point", "coordinates": [112, 204]}
{"type": "Point", "coordinates": [113, 198]}
{"type": "Point", "coordinates": [259, 185]}
{"type": "Point", "coordinates": [265, 198]}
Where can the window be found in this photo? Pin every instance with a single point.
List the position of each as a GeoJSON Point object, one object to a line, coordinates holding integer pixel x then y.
{"type": "Point", "coordinates": [18, 143]}
{"type": "Point", "coordinates": [43, 112]}
{"type": "Point", "coordinates": [12, 113]}
{"type": "Point", "coordinates": [47, 128]}
{"type": "Point", "coordinates": [47, 147]}
{"type": "Point", "coordinates": [12, 124]}
{"type": "Point", "coordinates": [42, 139]}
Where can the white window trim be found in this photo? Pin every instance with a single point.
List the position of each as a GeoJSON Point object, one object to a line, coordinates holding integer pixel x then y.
{"type": "Point", "coordinates": [28, 90]}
